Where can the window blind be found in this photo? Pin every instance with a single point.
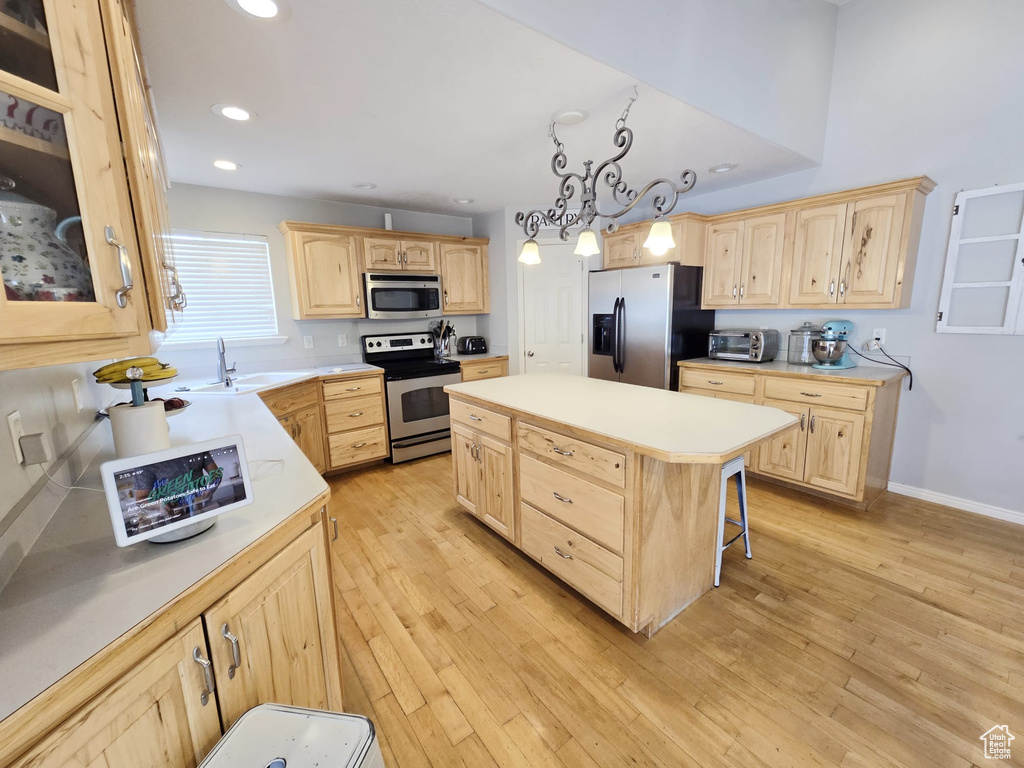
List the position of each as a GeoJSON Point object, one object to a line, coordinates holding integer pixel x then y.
{"type": "Point", "coordinates": [229, 287]}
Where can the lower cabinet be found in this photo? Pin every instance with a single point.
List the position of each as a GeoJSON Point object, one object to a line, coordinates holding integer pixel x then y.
{"type": "Point", "coordinates": [483, 478]}
{"type": "Point", "coordinates": [834, 441]}
{"type": "Point", "coordinates": [297, 408]}
{"type": "Point", "coordinates": [488, 368]}
{"type": "Point", "coordinates": [356, 416]}
{"type": "Point", "coordinates": [783, 455]}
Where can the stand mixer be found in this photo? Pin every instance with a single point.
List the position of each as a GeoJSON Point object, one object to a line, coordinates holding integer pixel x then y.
{"type": "Point", "coordinates": [830, 350]}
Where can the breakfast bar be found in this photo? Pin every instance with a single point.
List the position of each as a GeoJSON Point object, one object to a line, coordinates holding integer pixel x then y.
{"type": "Point", "coordinates": [614, 488]}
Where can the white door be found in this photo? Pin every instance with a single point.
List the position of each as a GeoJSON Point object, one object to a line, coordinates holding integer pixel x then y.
{"type": "Point", "coordinates": [552, 311]}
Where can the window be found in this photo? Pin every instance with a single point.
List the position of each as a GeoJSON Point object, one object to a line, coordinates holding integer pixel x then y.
{"type": "Point", "coordinates": [230, 292]}
{"type": "Point", "coordinates": [983, 286]}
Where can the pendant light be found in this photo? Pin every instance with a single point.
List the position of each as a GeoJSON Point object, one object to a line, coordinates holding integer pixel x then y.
{"type": "Point", "coordinates": [530, 253]}
{"type": "Point", "coordinates": [660, 240]}
{"type": "Point", "coordinates": [586, 244]}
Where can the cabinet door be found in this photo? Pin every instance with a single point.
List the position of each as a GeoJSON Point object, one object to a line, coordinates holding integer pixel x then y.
{"type": "Point", "coordinates": [783, 455]}
{"type": "Point", "coordinates": [466, 469]}
{"type": "Point", "coordinates": [497, 503]}
{"type": "Point", "coordinates": [419, 255]}
{"type": "Point", "coordinates": [621, 250]}
{"type": "Point", "coordinates": [761, 265]}
{"type": "Point", "coordinates": [871, 251]}
{"type": "Point", "coordinates": [834, 442]}
{"type": "Point", "coordinates": [817, 254]}
{"type": "Point", "coordinates": [310, 435]}
{"type": "Point", "coordinates": [380, 253]}
{"type": "Point", "coordinates": [328, 276]}
{"type": "Point", "coordinates": [154, 716]}
{"type": "Point", "coordinates": [722, 265]}
{"type": "Point", "coordinates": [60, 150]}
{"type": "Point", "coordinates": [464, 279]}
{"type": "Point", "coordinates": [283, 621]}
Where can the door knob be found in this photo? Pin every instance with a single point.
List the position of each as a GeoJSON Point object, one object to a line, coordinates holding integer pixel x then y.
{"type": "Point", "coordinates": [529, 354]}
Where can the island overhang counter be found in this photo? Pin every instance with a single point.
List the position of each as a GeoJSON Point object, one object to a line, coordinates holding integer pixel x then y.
{"type": "Point", "coordinates": [614, 488]}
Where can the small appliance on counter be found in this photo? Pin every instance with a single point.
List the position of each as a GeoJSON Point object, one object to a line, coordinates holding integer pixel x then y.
{"type": "Point", "coordinates": [830, 350]}
{"type": "Point", "coordinates": [471, 345]}
{"type": "Point", "coordinates": [801, 341]}
{"type": "Point", "coordinates": [751, 345]}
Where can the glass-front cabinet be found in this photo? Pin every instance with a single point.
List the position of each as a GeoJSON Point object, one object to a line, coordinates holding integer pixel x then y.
{"type": "Point", "coordinates": [69, 248]}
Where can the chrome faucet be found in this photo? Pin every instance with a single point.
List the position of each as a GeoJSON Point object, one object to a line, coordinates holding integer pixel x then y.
{"type": "Point", "coordinates": [223, 372]}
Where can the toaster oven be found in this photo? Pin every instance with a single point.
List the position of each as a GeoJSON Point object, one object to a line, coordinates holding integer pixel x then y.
{"type": "Point", "coordinates": [752, 345]}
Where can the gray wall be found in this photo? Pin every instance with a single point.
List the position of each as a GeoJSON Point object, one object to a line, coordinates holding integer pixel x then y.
{"type": "Point", "coordinates": [223, 210]}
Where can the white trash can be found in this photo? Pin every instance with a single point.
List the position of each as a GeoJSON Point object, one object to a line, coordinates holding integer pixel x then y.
{"type": "Point", "coordinates": [276, 736]}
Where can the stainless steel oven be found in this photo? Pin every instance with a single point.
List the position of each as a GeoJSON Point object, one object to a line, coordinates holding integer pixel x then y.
{"type": "Point", "coordinates": [399, 295]}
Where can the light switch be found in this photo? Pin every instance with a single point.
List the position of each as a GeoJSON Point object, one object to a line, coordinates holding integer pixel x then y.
{"type": "Point", "coordinates": [307, 342]}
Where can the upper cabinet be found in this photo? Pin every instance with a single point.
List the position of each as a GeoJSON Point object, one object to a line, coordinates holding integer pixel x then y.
{"type": "Point", "coordinates": [75, 284]}
{"type": "Point", "coordinates": [326, 264]}
{"type": "Point", "coordinates": [625, 247]}
{"type": "Point", "coordinates": [817, 254]}
{"type": "Point", "coordinates": [722, 257]}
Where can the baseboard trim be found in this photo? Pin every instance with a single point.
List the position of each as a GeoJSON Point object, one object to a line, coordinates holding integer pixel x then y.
{"type": "Point", "coordinates": [988, 510]}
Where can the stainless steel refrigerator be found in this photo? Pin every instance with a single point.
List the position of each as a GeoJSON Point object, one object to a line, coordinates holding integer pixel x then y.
{"type": "Point", "coordinates": [645, 320]}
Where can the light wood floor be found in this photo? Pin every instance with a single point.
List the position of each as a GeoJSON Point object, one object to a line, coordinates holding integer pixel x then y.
{"type": "Point", "coordinates": [893, 637]}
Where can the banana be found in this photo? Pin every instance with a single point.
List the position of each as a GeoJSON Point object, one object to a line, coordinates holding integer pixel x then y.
{"type": "Point", "coordinates": [152, 370]}
{"type": "Point", "coordinates": [122, 365]}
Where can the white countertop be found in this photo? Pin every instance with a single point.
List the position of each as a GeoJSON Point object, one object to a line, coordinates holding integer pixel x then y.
{"type": "Point", "coordinates": [864, 374]}
{"type": "Point", "coordinates": [75, 591]}
{"type": "Point", "coordinates": [671, 426]}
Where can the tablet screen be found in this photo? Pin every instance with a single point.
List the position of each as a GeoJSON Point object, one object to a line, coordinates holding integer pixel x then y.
{"type": "Point", "coordinates": [159, 493]}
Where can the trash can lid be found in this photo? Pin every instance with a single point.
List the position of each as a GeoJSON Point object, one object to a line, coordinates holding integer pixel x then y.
{"type": "Point", "coordinates": [278, 736]}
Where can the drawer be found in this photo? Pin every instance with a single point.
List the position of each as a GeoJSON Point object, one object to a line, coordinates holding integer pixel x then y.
{"type": "Point", "coordinates": [749, 399]}
{"type": "Point", "coordinates": [481, 419]}
{"type": "Point", "coordinates": [353, 413]}
{"type": "Point", "coordinates": [357, 446]}
{"type": "Point", "coordinates": [578, 503]}
{"type": "Point", "coordinates": [810, 392]}
{"type": "Point", "coordinates": [577, 455]}
{"type": "Point", "coordinates": [290, 399]}
{"type": "Point", "coordinates": [589, 567]}
{"type": "Point", "coordinates": [369, 385]}
{"type": "Point", "coordinates": [490, 369]}
{"type": "Point", "coordinates": [717, 381]}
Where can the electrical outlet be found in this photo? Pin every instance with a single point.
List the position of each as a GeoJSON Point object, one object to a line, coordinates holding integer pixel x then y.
{"type": "Point", "coordinates": [307, 342]}
{"type": "Point", "coordinates": [877, 337]}
{"type": "Point", "coordinates": [76, 393]}
{"type": "Point", "coordinates": [14, 425]}
{"type": "Point", "coordinates": [342, 340]}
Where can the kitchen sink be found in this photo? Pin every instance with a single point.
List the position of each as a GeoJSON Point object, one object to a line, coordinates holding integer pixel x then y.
{"type": "Point", "coordinates": [253, 382]}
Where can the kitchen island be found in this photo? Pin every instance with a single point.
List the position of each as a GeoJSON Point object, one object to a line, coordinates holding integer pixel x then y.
{"type": "Point", "coordinates": [613, 488]}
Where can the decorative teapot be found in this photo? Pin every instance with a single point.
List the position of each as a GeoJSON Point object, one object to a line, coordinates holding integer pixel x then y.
{"type": "Point", "coordinates": [36, 262]}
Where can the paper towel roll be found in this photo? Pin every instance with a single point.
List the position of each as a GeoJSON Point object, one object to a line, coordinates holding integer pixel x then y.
{"type": "Point", "coordinates": [139, 430]}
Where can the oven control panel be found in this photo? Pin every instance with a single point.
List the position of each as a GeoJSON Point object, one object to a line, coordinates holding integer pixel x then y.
{"type": "Point", "coordinates": [397, 342]}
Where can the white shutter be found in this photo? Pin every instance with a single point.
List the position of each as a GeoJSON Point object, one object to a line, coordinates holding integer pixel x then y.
{"type": "Point", "coordinates": [230, 291]}
{"type": "Point", "coordinates": [984, 279]}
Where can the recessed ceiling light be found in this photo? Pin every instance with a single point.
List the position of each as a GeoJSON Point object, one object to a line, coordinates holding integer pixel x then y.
{"type": "Point", "coordinates": [226, 165]}
{"type": "Point", "coordinates": [231, 112]}
{"type": "Point", "coordinates": [264, 10]}
{"type": "Point", "coordinates": [462, 200]}
{"type": "Point", "coordinates": [723, 167]}
{"type": "Point", "coordinates": [364, 185]}
{"type": "Point", "coordinates": [570, 116]}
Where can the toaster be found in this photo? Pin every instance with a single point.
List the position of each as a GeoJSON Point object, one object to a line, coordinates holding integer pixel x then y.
{"type": "Point", "coordinates": [471, 345]}
{"type": "Point", "coordinates": [752, 345]}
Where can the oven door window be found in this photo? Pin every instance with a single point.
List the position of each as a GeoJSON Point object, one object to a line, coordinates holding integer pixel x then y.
{"type": "Point", "coordinates": [423, 404]}
{"type": "Point", "coordinates": [403, 299]}
{"type": "Point", "coordinates": [736, 346]}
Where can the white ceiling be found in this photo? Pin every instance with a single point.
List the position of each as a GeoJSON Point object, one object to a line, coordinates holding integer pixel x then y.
{"type": "Point", "coordinates": [431, 100]}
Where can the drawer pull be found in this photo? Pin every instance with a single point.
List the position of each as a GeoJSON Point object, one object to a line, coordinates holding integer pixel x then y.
{"type": "Point", "coordinates": [334, 522]}
{"type": "Point", "coordinates": [236, 653]}
{"type": "Point", "coordinates": [561, 498]}
{"type": "Point", "coordinates": [562, 554]}
{"type": "Point", "coordinates": [810, 394]}
{"type": "Point", "coordinates": [803, 418]}
{"type": "Point", "coordinates": [560, 452]}
{"type": "Point", "coordinates": [812, 425]}
{"type": "Point", "coordinates": [716, 383]}
{"type": "Point", "coordinates": [359, 445]}
{"type": "Point", "coordinates": [483, 371]}
{"type": "Point", "coordinates": [474, 417]}
{"type": "Point", "coordinates": [354, 415]}
{"type": "Point", "coordinates": [211, 684]}
{"type": "Point", "coordinates": [353, 389]}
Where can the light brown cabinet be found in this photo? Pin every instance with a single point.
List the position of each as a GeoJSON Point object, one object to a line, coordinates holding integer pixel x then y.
{"type": "Point", "coordinates": [817, 255]}
{"type": "Point", "coordinates": [297, 408]}
{"type": "Point", "coordinates": [324, 272]}
{"type": "Point", "coordinates": [743, 262]}
{"type": "Point", "coordinates": [90, 296]}
{"type": "Point", "coordinates": [834, 440]}
{"type": "Point", "coordinates": [355, 411]}
{"type": "Point", "coordinates": [465, 279]}
{"type": "Point", "coordinates": [622, 249]}
{"type": "Point", "coordinates": [487, 368]}
{"type": "Point", "coordinates": [625, 247]}
{"type": "Point", "coordinates": [783, 455]}
{"type": "Point", "coordinates": [722, 265]}
{"type": "Point", "coordinates": [391, 254]}
{"type": "Point", "coordinates": [483, 477]}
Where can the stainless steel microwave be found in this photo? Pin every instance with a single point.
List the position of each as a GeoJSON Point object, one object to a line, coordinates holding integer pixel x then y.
{"type": "Point", "coordinates": [401, 295]}
{"type": "Point", "coordinates": [753, 345]}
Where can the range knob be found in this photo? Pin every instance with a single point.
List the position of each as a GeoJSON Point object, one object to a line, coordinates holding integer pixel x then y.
{"type": "Point", "coordinates": [423, 341]}
{"type": "Point", "coordinates": [378, 343]}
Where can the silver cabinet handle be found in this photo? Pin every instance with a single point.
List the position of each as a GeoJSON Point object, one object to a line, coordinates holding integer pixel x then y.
{"type": "Point", "coordinates": [561, 498]}
{"type": "Point", "coordinates": [810, 394]}
{"type": "Point", "coordinates": [734, 291]}
{"type": "Point", "coordinates": [562, 554]}
{"type": "Point", "coordinates": [832, 288]}
{"type": "Point", "coordinates": [446, 298]}
{"type": "Point", "coordinates": [334, 522]}
{"type": "Point", "coordinates": [177, 300]}
{"type": "Point", "coordinates": [358, 301]}
{"type": "Point", "coordinates": [359, 445]}
{"type": "Point", "coordinates": [354, 415]}
{"type": "Point", "coordinates": [236, 652]}
{"type": "Point", "coordinates": [474, 417]}
{"type": "Point", "coordinates": [211, 684]}
{"type": "Point", "coordinates": [812, 425]}
{"type": "Point", "coordinates": [741, 290]}
{"type": "Point", "coordinates": [716, 383]}
{"type": "Point", "coordinates": [803, 417]}
{"type": "Point", "coordinates": [126, 267]}
{"type": "Point", "coordinates": [353, 389]}
{"type": "Point", "coordinates": [560, 452]}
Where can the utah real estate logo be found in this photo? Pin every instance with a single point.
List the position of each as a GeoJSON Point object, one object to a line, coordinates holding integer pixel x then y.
{"type": "Point", "coordinates": [997, 742]}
